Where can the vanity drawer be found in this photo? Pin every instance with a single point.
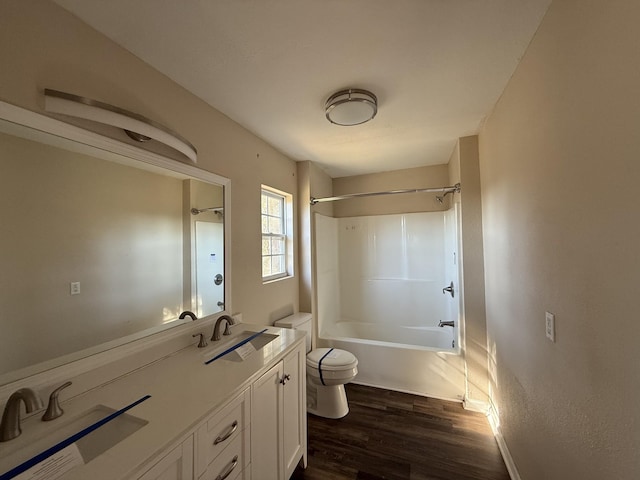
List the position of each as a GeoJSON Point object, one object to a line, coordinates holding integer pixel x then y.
{"type": "Point", "coordinates": [221, 430]}
{"type": "Point", "coordinates": [233, 462]}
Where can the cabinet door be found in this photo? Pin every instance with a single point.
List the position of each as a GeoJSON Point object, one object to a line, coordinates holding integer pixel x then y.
{"type": "Point", "coordinates": [175, 465]}
{"type": "Point", "coordinates": [295, 408]}
{"type": "Point", "coordinates": [266, 425]}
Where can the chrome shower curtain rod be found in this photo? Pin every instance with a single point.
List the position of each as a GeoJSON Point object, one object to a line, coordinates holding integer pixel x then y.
{"type": "Point", "coordinates": [197, 211]}
{"type": "Point", "coordinates": [453, 189]}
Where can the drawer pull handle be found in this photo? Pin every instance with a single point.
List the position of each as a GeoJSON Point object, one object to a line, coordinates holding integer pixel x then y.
{"type": "Point", "coordinates": [229, 469]}
{"type": "Point", "coordinates": [222, 438]}
{"type": "Point", "coordinates": [285, 379]}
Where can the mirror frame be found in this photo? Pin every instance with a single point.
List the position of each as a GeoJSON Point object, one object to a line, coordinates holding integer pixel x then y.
{"type": "Point", "coordinates": [105, 353]}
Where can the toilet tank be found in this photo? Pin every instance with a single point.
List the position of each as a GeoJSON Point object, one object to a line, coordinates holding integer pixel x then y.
{"type": "Point", "coordinates": [298, 321]}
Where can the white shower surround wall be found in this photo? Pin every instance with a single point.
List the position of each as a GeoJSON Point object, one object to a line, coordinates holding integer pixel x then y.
{"type": "Point", "coordinates": [379, 286]}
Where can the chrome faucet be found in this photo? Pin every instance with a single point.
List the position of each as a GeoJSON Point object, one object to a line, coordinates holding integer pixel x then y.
{"type": "Point", "coordinates": [216, 329]}
{"type": "Point", "coordinates": [10, 426]}
{"type": "Point", "coordinates": [446, 323]}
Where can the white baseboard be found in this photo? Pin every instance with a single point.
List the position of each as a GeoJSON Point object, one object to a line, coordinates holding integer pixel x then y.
{"type": "Point", "coordinates": [404, 390]}
{"type": "Point", "coordinates": [502, 445]}
{"type": "Point", "coordinates": [476, 406]}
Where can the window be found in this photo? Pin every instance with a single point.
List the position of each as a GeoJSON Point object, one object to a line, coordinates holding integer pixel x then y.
{"type": "Point", "coordinates": [276, 234]}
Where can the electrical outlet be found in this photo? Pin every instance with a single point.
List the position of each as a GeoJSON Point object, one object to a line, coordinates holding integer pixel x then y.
{"type": "Point", "coordinates": [75, 288]}
{"type": "Point", "coordinates": [550, 324]}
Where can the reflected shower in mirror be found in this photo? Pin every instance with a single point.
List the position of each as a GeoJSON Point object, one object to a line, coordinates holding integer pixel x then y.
{"type": "Point", "coordinates": [95, 253]}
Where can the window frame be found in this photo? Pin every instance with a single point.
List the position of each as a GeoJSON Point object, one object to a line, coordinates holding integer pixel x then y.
{"type": "Point", "coordinates": [286, 235]}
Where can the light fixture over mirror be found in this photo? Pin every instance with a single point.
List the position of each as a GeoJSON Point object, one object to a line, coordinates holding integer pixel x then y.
{"type": "Point", "coordinates": [137, 127]}
{"type": "Point", "coordinates": [351, 107]}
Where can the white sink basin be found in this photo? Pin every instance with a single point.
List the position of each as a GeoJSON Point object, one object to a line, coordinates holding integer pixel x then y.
{"type": "Point", "coordinates": [238, 347]}
{"type": "Point", "coordinates": [90, 446]}
{"type": "Point", "coordinates": [109, 434]}
{"type": "Point", "coordinates": [252, 346]}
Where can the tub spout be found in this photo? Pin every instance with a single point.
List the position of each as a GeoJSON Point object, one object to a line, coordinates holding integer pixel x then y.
{"type": "Point", "coordinates": [446, 323]}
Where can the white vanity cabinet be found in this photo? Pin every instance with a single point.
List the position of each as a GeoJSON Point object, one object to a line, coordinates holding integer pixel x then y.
{"type": "Point", "coordinates": [223, 442]}
{"type": "Point", "coordinates": [278, 418]}
{"type": "Point", "coordinates": [175, 465]}
{"type": "Point", "coordinates": [259, 433]}
{"type": "Point", "coordinates": [221, 450]}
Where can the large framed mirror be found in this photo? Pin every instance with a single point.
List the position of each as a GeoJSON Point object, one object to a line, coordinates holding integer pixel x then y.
{"type": "Point", "coordinates": [102, 243]}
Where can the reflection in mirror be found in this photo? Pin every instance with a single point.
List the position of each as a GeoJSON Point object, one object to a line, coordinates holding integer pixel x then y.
{"type": "Point", "coordinates": [207, 229]}
{"type": "Point", "coordinates": [95, 253]}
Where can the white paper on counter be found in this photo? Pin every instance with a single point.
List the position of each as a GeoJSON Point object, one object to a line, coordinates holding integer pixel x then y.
{"type": "Point", "coordinates": [245, 350]}
{"type": "Point", "coordinates": [54, 466]}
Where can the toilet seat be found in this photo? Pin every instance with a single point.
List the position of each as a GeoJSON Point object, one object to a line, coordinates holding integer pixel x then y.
{"type": "Point", "coordinates": [331, 366]}
{"type": "Point", "coordinates": [331, 359]}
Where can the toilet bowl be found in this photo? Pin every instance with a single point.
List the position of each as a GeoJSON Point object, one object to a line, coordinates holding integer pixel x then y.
{"type": "Point", "coordinates": [328, 369]}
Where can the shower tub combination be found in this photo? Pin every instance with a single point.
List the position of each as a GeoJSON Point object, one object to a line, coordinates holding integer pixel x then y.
{"type": "Point", "coordinates": [380, 283]}
{"type": "Point", "coordinates": [441, 339]}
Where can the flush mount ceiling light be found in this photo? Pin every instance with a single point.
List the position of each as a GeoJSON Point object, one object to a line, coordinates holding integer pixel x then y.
{"type": "Point", "coordinates": [351, 107]}
{"type": "Point", "coordinates": [137, 127]}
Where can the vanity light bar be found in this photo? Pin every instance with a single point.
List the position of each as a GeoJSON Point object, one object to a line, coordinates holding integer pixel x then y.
{"type": "Point", "coordinates": [136, 126]}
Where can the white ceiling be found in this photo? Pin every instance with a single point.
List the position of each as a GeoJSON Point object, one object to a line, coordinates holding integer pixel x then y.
{"type": "Point", "coordinates": [436, 66]}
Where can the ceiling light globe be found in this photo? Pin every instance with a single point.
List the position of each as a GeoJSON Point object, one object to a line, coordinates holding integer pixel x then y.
{"type": "Point", "coordinates": [351, 107]}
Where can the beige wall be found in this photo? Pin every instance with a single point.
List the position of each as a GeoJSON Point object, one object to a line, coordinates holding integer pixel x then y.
{"type": "Point", "coordinates": [41, 45]}
{"type": "Point", "coordinates": [421, 177]}
{"type": "Point", "coordinates": [312, 182]}
{"type": "Point", "coordinates": [464, 168]}
{"type": "Point", "coordinates": [68, 217]}
{"type": "Point", "coordinates": [560, 172]}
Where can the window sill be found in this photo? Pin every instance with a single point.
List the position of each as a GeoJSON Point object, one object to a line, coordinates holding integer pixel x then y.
{"type": "Point", "coordinates": [279, 279]}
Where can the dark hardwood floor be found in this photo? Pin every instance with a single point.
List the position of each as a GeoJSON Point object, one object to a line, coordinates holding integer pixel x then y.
{"type": "Point", "coordinates": [398, 436]}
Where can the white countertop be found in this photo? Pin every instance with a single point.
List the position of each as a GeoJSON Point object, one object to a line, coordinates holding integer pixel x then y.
{"type": "Point", "coordinates": [183, 392]}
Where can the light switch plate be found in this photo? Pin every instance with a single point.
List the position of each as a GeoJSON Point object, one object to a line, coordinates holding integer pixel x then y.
{"type": "Point", "coordinates": [75, 288]}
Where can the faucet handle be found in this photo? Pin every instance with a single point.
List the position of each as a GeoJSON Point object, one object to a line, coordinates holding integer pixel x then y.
{"type": "Point", "coordinates": [202, 343]}
{"type": "Point", "coordinates": [53, 408]}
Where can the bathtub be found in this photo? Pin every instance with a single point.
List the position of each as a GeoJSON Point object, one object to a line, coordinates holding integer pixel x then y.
{"type": "Point", "coordinates": [418, 360]}
{"type": "Point", "coordinates": [440, 339]}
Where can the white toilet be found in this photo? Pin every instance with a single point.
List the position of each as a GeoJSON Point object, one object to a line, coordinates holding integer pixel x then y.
{"type": "Point", "coordinates": [328, 369]}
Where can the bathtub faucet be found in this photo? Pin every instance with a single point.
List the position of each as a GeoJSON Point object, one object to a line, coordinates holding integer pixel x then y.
{"type": "Point", "coordinates": [446, 323]}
